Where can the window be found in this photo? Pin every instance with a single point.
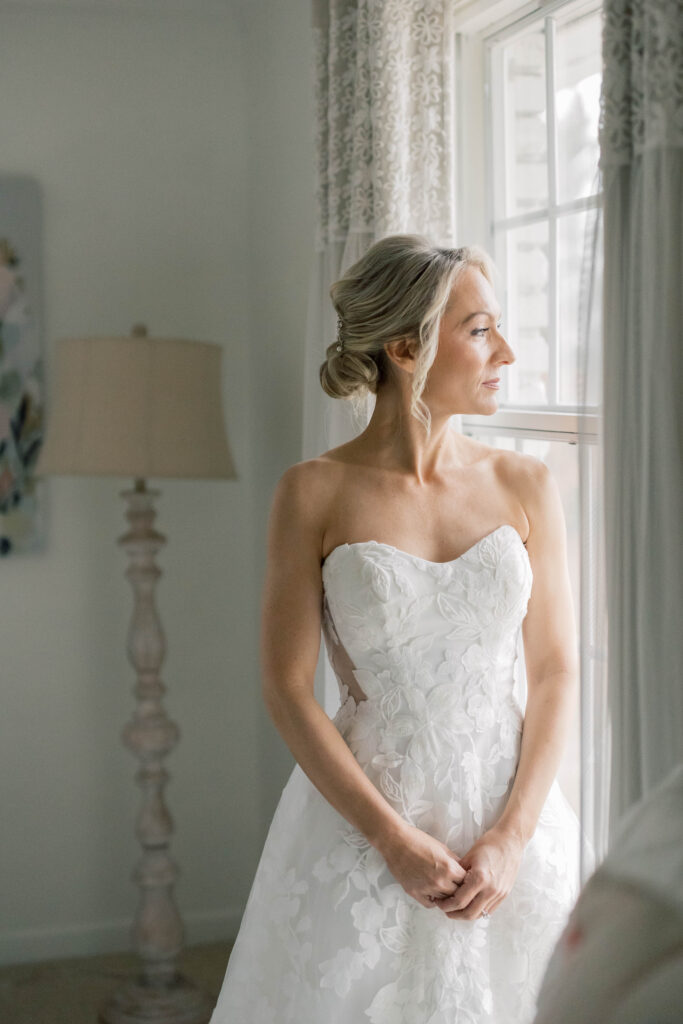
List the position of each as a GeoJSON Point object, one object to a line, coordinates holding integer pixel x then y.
{"type": "Point", "coordinates": [532, 174]}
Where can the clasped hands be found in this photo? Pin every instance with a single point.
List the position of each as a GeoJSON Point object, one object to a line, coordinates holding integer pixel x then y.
{"type": "Point", "coordinates": [491, 866]}
{"type": "Point", "coordinates": [483, 877]}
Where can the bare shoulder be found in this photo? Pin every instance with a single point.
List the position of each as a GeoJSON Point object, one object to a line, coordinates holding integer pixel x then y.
{"type": "Point", "coordinates": [531, 483]}
{"type": "Point", "coordinates": [291, 603]}
{"type": "Point", "coordinates": [302, 497]}
{"type": "Point", "coordinates": [311, 482]}
{"type": "Point", "coordinates": [523, 471]}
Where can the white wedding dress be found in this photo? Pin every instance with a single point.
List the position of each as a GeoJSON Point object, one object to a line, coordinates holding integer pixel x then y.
{"type": "Point", "coordinates": [328, 935]}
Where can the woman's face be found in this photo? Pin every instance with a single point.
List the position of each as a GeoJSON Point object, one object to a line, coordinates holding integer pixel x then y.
{"type": "Point", "coordinates": [471, 350]}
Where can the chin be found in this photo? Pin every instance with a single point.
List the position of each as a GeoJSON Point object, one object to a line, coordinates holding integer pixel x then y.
{"type": "Point", "coordinates": [486, 407]}
{"type": "Point", "coordinates": [477, 409]}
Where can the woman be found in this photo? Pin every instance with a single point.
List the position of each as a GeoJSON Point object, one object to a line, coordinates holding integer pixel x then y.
{"type": "Point", "coordinates": [422, 860]}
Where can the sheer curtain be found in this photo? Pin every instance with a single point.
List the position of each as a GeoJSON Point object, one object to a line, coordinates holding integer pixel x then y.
{"type": "Point", "coordinates": [383, 85]}
{"type": "Point", "coordinates": [641, 132]}
{"type": "Point", "coordinates": [595, 725]}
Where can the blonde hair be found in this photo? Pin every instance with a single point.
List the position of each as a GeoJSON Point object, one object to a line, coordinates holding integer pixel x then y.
{"type": "Point", "coordinates": [399, 288]}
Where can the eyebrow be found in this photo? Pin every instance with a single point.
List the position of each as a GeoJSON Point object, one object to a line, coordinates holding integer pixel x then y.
{"type": "Point", "coordinates": [480, 312]}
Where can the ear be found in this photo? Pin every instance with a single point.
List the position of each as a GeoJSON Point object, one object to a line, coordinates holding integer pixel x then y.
{"type": "Point", "coordinates": [402, 353]}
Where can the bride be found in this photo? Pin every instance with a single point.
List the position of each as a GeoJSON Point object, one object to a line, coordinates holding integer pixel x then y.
{"type": "Point", "coordinates": [422, 860]}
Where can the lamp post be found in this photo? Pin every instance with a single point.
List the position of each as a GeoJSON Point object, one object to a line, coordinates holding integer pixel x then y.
{"type": "Point", "coordinates": [144, 407]}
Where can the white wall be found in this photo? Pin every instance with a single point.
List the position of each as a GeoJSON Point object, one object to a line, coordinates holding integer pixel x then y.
{"type": "Point", "coordinates": [281, 226]}
{"type": "Point", "coordinates": [173, 147]}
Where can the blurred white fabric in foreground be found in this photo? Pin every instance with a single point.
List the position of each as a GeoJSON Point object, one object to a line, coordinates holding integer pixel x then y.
{"type": "Point", "coordinates": [620, 958]}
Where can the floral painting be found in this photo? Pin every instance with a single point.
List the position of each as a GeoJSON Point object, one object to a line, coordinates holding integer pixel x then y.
{"type": "Point", "coordinates": [21, 366]}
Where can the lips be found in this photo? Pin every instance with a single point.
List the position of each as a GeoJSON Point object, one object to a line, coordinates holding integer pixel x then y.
{"type": "Point", "coordinates": [494, 380]}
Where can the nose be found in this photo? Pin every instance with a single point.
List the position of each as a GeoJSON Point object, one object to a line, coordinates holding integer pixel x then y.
{"type": "Point", "coordinates": [504, 354]}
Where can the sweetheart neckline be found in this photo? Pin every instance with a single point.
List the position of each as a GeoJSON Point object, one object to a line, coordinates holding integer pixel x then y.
{"type": "Point", "coordinates": [419, 558]}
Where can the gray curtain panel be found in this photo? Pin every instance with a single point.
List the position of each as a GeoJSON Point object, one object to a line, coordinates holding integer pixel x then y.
{"type": "Point", "coordinates": [641, 133]}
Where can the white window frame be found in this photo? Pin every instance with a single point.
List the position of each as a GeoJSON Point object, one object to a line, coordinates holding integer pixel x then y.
{"type": "Point", "coordinates": [479, 25]}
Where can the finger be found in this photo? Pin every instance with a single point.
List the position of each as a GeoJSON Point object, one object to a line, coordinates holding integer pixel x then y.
{"type": "Point", "coordinates": [441, 896]}
{"type": "Point", "coordinates": [473, 910]}
{"type": "Point", "coordinates": [425, 901]}
{"type": "Point", "coordinates": [463, 895]}
{"type": "Point", "coordinates": [495, 903]}
{"type": "Point", "coordinates": [455, 902]}
{"type": "Point", "coordinates": [457, 870]}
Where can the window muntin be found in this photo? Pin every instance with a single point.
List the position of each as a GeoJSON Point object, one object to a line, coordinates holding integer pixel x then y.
{"type": "Point", "coordinates": [542, 85]}
{"type": "Point", "coordinates": [543, 88]}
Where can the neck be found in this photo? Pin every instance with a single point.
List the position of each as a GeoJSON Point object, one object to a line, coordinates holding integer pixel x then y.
{"type": "Point", "coordinates": [399, 441]}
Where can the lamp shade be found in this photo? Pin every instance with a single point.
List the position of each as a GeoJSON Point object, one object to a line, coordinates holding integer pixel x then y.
{"type": "Point", "coordinates": [137, 406]}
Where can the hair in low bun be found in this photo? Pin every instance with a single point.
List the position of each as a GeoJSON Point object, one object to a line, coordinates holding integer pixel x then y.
{"type": "Point", "coordinates": [351, 371]}
{"type": "Point", "coordinates": [398, 289]}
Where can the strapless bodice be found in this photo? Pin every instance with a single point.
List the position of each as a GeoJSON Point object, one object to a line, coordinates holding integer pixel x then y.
{"type": "Point", "coordinates": [405, 621]}
{"type": "Point", "coordinates": [431, 646]}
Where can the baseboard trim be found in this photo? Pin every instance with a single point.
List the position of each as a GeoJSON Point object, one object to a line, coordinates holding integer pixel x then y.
{"type": "Point", "coordinates": [28, 945]}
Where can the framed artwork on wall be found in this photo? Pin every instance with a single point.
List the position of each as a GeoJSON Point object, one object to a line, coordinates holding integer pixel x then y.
{"type": "Point", "coordinates": [22, 505]}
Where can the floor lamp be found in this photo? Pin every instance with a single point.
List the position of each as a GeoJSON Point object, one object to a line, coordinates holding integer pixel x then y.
{"type": "Point", "coordinates": [144, 407]}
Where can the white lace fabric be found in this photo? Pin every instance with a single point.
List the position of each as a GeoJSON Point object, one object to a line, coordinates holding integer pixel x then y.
{"type": "Point", "coordinates": [328, 935]}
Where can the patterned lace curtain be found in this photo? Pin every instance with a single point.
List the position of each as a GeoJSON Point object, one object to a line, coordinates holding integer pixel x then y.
{"type": "Point", "coordinates": [641, 133]}
{"type": "Point", "coordinates": [384, 112]}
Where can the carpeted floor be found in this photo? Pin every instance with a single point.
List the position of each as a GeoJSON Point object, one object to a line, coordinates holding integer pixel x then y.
{"type": "Point", "coordinates": [72, 991]}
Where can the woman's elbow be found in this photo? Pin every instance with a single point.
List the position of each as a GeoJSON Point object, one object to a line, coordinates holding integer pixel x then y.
{"type": "Point", "coordinates": [283, 698]}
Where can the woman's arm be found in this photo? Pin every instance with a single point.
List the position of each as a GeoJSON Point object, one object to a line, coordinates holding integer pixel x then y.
{"type": "Point", "coordinates": [290, 643]}
{"type": "Point", "coordinates": [549, 634]}
{"type": "Point", "coordinates": [551, 658]}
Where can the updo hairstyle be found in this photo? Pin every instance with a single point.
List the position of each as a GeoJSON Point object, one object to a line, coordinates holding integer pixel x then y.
{"type": "Point", "coordinates": [398, 289]}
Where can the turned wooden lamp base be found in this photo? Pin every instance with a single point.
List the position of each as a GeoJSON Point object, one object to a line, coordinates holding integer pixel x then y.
{"type": "Point", "coordinates": [179, 1003]}
{"type": "Point", "coordinates": [144, 407]}
{"type": "Point", "coordinates": [158, 994]}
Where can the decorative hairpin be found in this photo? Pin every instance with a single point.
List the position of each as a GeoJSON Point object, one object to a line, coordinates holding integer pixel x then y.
{"type": "Point", "coordinates": [340, 343]}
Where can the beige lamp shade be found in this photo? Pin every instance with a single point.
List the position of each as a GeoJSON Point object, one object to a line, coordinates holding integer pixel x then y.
{"type": "Point", "coordinates": [137, 407]}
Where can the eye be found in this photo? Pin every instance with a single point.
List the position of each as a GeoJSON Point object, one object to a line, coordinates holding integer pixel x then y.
{"type": "Point", "coordinates": [482, 330]}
